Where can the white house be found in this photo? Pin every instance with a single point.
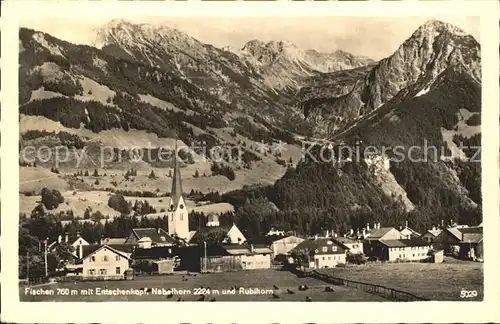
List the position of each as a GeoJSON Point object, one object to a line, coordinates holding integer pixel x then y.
{"type": "Point", "coordinates": [431, 235]}
{"type": "Point", "coordinates": [104, 261]}
{"type": "Point", "coordinates": [74, 241]}
{"type": "Point", "coordinates": [320, 253]}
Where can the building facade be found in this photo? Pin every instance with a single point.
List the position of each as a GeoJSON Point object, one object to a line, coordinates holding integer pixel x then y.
{"type": "Point", "coordinates": [104, 262]}
{"type": "Point", "coordinates": [319, 253]}
{"type": "Point", "coordinates": [285, 244]}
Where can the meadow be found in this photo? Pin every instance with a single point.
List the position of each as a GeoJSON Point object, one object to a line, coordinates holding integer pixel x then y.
{"type": "Point", "coordinates": [216, 282]}
{"type": "Point", "coordinates": [428, 280]}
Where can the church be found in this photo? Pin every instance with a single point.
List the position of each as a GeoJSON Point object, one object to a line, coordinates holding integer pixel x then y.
{"type": "Point", "coordinates": [178, 216]}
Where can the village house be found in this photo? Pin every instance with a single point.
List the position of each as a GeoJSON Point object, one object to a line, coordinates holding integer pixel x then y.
{"type": "Point", "coordinates": [74, 241]}
{"type": "Point", "coordinates": [354, 246]}
{"type": "Point", "coordinates": [233, 257]}
{"type": "Point", "coordinates": [157, 237]}
{"type": "Point", "coordinates": [408, 233]}
{"type": "Point", "coordinates": [431, 235]}
{"type": "Point", "coordinates": [223, 234]}
{"type": "Point", "coordinates": [275, 232]}
{"type": "Point", "coordinates": [283, 245]}
{"type": "Point", "coordinates": [320, 253]}
{"type": "Point", "coordinates": [404, 250]}
{"type": "Point", "coordinates": [106, 262]}
{"type": "Point", "coordinates": [371, 243]}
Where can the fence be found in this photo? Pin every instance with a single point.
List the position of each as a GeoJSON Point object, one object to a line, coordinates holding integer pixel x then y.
{"type": "Point", "coordinates": [385, 292]}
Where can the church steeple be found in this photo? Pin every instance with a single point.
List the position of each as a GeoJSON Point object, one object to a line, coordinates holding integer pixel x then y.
{"type": "Point", "coordinates": [178, 222]}
{"type": "Point", "coordinates": [176, 191]}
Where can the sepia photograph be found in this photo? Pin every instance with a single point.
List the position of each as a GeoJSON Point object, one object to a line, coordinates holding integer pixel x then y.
{"type": "Point", "coordinates": [250, 159]}
{"type": "Point", "coordinates": [188, 154]}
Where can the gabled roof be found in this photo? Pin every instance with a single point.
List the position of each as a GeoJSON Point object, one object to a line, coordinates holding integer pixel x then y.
{"type": "Point", "coordinates": [455, 232]}
{"type": "Point", "coordinates": [121, 249]}
{"type": "Point", "coordinates": [154, 234]}
{"type": "Point", "coordinates": [405, 243]}
{"type": "Point", "coordinates": [434, 233]}
{"type": "Point", "coordinates": [317, 244]}
{"type": "Point", "coordinates": [413, 232]}
{"type": "Point", "coordinates": [380, 232]}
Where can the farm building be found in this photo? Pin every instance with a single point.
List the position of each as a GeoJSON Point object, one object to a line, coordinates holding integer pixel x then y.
{"type": "Point", "coordinates": [320, 253]}
{"type": "Point", "coordinates": [464, 242]}
{"type": "Point", "coordinates": [188, 256]}
{"type": "Point", "coordinates": [102, 261]}
{"type": "Point", "coordinates": [233, 257]}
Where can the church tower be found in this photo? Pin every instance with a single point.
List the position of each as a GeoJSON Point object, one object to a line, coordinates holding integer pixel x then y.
{"type": "Point", "coordinates": [178, 222]}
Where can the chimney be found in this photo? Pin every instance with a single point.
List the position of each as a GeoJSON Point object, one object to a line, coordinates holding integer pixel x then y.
{"type": "Point", "coordinates": [406, 224]}
{"type": "Point", "coordinates": [364, 232]}
{"type": "Point", "coordinates": [378, 225]}
{"type": "Point", "coordinates": [80, 251]}
{"type": "Point", "coordinates": [442, 224]}
{"type": "Point", "coordinates": [327, 233]}
{"type": "Point", "coordinates": [158, 230]}
{"type": "Point", "coordinates": [77, 233]}
{"type": "Point", "coordinates": [66, 237]}
{"type": "Point", "coordinates": [351, 231]}
{"type": "Point", "coordinates": [59, 239]}
{"type": "Point", "coordinates": [335, 235]}
{"type": "Point", "coordinates": [368, 226]}
{"type": "Point", "coordinates": [251, 248]}
{"type": "Point", "coordinates": [316, 236]}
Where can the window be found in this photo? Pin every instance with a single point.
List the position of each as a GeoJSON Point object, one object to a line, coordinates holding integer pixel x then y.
{"type": "Point", "coordinates": [325, 249]}
{"type": "Point", "coordinates": [102, 272]}
{"type": "Point", "coordinates": [334, 248]}
{"type": "Point", "coordinates": [413, 254]}
{"type": "Point", "coordinates": [172, 217]}
{"type": "Point", "coordinates": [329, 258]}
{"type": "Point", "coordinates": [118, 270]}
{"type": "Point", "coordinates": [117, 258]}
{"type": "Point", "coordinates": [105, 258]}
{"type": "Point", "coordinates": [182, 215]}
{"type": "Point", "coordinates": [323, 258]}
{"type": "Point", "coordinates": [92, 259]}
{"type": "Point", "coordinates": [91, 272]}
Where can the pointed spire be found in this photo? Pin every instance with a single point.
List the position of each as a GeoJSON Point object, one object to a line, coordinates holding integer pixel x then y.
{"type": "Point", "coordinates": [176, 191]}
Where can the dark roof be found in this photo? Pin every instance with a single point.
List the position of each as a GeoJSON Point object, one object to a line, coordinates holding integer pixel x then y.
{"type": "Point", "coordinates": [472, 234]}
{"type": "Point", "coordinates": [154, 234]}
{"type": "Point", "coordinates": [317, 244]}
{"type": "Point", "coordinates": [222, 230]}
{"type": "Point", "coordinates": [162, 252]}
{"type": "Point", "coordinates": [345, 240]}
{"type": "Point", "coordinates": [405, 243]}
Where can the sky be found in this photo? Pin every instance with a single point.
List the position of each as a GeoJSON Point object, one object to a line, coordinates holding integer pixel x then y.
{"type": "Point", "coordinates": [375, 37]}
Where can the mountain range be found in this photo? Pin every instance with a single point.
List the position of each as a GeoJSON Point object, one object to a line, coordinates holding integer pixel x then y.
{"type": "Point", "coordinates": [141, 84]}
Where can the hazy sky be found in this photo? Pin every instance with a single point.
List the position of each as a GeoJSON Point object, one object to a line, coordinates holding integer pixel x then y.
{"type": "Point", "coordinates": [375, 37]}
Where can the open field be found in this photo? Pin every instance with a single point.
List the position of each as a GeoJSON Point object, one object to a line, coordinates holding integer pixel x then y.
{"type": "Point", "coordinates": [428, 280]}
{"type": "Point", "coordinates": [98, 201]}
{"type": "Point", "coordinates": [262, 279]}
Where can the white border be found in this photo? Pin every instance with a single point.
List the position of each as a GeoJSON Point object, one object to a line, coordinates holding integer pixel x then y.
{"type": "Point", "coordinates": [242, 312]}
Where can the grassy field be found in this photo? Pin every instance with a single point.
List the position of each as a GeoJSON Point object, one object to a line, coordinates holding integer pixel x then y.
{"type": "Point", "coordinates": [428, 280]}
{"type": "Point", "coordinates": [262, 279]}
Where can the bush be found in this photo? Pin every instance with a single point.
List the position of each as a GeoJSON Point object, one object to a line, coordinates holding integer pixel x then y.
{"type": "Point", "coordinates": [118, 203]}
{"type": "Point", "coordinates": [51, 198]}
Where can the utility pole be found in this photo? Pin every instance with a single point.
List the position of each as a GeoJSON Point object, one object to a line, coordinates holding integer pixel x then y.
{"type": "Point", "coordinates": [28, 267]}
{"type": "Point", "coordinates": [133, 262]}
{"type": "Point", "coordinates": [205, 254]}
{"type": "Point", "coordinates": [45, 257]}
